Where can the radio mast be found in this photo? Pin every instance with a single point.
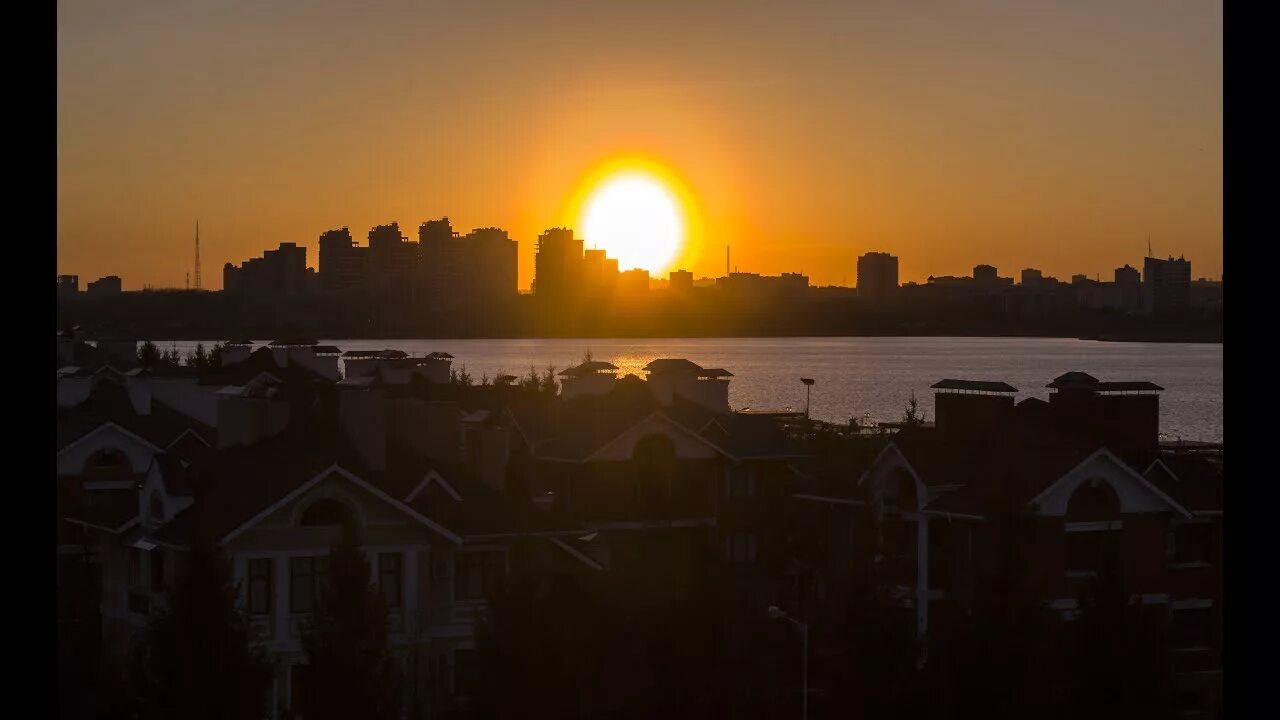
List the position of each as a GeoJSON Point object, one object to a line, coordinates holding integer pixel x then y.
{"type": "Point", "coordinates": [197, 254]}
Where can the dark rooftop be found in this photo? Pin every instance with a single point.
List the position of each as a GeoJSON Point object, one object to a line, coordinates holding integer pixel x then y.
{"type": "Point", "coordinates": [588, 367]}
{"type": "Point", "coordinates": [666, 365]}
{"type": "Point", "coordinates": [994, 386]}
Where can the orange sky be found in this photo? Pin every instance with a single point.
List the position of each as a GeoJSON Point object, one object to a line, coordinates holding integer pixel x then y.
{"type": "Point", "coordinates": [1020, 134]}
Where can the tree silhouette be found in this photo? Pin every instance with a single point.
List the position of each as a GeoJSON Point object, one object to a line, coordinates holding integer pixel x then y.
{"type": "Point", "coordinates": [350, 671]}
{"type": "Point", "coordinates": [200, 659]}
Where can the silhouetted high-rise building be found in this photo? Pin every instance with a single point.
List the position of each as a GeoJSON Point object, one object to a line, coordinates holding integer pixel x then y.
{"type": "Point", "coordinates": [1127, 274]}
{"type": "Point", "coordinates": [877, 277]}
{"type": "Point", "coordinates": [984, 273]}
{"type": "Point", "coordinates": [634, 282]}
{"type": "Point", "coordinates": [680, 280]}
{"type": "Point", "coordinates": [558, 265]}
{"type": "Point", "coordinates": [343, 264]}
{"type": "Point", "coordinates": [1129, 288]}
{"type": "Point", "coordinates": [457, 273]}
{"type": "Point", "coordinates": [490, 264]}
{"type": "Point", "coordinates": [279, 271]}
{"type": "Point", "coordinates": [108, 285]}
{"type": "Point", "coordinates": [1031, 276]}
{"type": "Point", "coordinates": [1166, 285]}
{"type": "Point", "coordinates": [393, 262]}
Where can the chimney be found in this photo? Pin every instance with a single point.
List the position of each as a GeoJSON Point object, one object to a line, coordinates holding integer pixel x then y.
{"type": "Point", "coordinates": [362, 417]}
{"type": "Point", "coordinates": [488, 448]}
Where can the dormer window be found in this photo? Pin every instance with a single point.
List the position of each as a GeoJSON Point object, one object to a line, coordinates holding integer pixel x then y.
{"type": "Point", "coordinates": [108, 461]}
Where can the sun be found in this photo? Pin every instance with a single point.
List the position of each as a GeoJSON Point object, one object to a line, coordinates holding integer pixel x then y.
{"type": "Point", "coordinates": [635, 217]}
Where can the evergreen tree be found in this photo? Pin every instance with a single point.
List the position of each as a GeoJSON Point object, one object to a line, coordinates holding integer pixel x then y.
{"type": "Point", "coordinates": [200, 660]}
{"type": "Point", "coordinates": [148, 354]}
{"type": "Point", "coordinates": [351, 672]}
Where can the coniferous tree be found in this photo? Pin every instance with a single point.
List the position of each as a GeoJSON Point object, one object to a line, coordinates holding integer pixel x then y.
{"type": "Point", "coordinates": [200, 659]}
{"type": "Point", "coordinates": [148, 354]}
{"type": "Point", "coordinates": [350, 670]}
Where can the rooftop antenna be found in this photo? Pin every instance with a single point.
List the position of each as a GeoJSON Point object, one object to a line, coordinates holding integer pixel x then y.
{"type": "Point", "coordinates": [1149, 245]}
{"type": "Point", "coordinates": [197, 254]}
{"type": "Point", "coordinates": [187, 282]}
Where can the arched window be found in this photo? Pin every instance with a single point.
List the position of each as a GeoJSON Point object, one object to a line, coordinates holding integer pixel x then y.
{"type": "Point", "coordinates": [108, 461]}
{"type": "Point", "coordinates": [1093, 531]}
{"type": "Point", "coordinates": [325, 512]}
{"type": "Point", "coordinates": [1093, 500]}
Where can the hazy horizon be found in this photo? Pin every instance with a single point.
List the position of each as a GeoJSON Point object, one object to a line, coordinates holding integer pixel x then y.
{"type": "Point", "coordinates": [1054, 136]}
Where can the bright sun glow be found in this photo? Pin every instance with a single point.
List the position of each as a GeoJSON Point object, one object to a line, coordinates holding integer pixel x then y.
{"type": "Point", "coordinates": [634, 217]}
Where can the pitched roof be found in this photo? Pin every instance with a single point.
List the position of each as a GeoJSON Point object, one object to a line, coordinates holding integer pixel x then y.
{"type": "Point", "coordinates": [109, 403]}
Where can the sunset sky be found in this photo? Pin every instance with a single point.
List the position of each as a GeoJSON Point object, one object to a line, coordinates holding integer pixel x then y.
{"type": "Point", "coordinates": [1016, 133]}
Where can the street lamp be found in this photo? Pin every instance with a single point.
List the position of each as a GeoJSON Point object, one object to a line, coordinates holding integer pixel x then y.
{"type": "Point", "coordinates": [778, 613]}
{"type": "Point", "coordinates": [808, 383]}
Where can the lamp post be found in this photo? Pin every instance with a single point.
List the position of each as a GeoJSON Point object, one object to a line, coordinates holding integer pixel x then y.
{"type": "Point", "coordinates": [777, 613]}
{"type": "Point", "coordinates": [808, 383]}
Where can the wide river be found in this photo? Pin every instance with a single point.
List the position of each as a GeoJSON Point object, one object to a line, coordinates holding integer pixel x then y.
{"type": "Point", "coordinates": [868, 377]}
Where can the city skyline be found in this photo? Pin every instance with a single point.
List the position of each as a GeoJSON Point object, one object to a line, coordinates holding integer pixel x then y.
{"type": "Point", "coordinates": [940, 139]}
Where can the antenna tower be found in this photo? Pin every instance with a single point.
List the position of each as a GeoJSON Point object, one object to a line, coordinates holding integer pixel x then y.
{"type": "Point", "coordinates": [197, 254]}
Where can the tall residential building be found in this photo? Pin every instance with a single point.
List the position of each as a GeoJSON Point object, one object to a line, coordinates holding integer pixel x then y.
{"type": "Point", "coordinates": [600, 272]}
{"type": "Point", "coordinates": [1166, 285]}
{"type": "Point", "coordinates": [558, 265]}
{"type": "Point", "coordinates": [1129, 287]}
{"type": "Point", "coordinates": [490, 264]}
{"type": "Point", "coordinates": [634, 282]}
{"type": "Point", "coordinates": [877, 277]}
{"type": "Point", "coordinates": [984, 273]}
{"type": "Point", "coordinates": [393, 261]}
{"type": "Point", "coordinates": [680, 280]}
{"type": "Point", "coordinates": [279, 271]}
{"type": "Point", "coordinates": [108, 285]}
{"type": "Point", "coordinates": [456, 272]}
{"type": "Point", "coordinates": [343, 264]}
{"type": "Point", "coordinates": [1031, 276]}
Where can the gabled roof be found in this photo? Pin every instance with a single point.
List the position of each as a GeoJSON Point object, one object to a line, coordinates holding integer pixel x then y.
{"type": "Point", "coordinates": [110, 403]}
